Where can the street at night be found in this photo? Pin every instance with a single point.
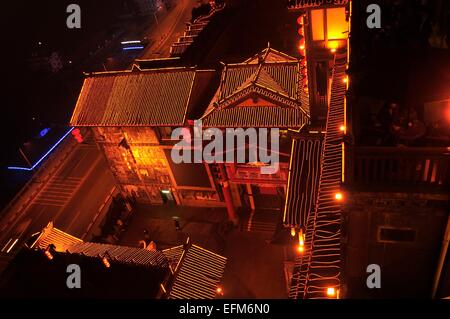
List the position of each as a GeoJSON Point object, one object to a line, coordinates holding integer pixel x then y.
{"type": "Point", "coordinates": [268, 154]}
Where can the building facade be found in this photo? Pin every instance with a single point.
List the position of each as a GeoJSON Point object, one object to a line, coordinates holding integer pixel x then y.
{"type": "Point", "coordinates": [349, 204]}
{"type": "Point", "coordinates": [133, 114]}
{"type": "Point", "coordinates": [384, 205]}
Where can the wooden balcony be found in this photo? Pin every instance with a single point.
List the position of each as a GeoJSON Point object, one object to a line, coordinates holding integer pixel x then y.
{"type": "Point", "coordinates": [405, 169]}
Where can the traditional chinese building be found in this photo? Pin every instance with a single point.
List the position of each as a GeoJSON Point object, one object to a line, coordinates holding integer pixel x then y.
{"type": "Point", "coordinates": [132, 114]}
{"type": "Point", "coordinates": [313, 206]}
{"type": "Point", "coordinates": [349, 204]}
{"type": "Point", "coordinates": [110, 271]}
{"type": "Point", "coordinates": [354, 205]}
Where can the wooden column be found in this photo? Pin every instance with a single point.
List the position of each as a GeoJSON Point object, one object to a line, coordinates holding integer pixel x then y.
{"type": "Point", "coordinates": [227, 195]}
{"type": "Point", "coordinates": [250, 196]}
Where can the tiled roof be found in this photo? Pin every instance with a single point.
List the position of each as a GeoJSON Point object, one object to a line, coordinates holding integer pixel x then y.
{"type": "Point", "coordinates": [66, 243]}
{"type": "Point", "coordinates": [304, 173]}
{"type": "Point", "coordinates": [251, 116]}
{"type": "Point", "coordinates": [58, 238]}
{"type": "Point", "coordinates": [285, 76]}
{"type": "Point", "coordinates": [198, 274]}
{"type": "Point", "coordinates": [263, 79]}
{"type": "Point", "coordinates": [272, 79]}
{"type": "Point", "coordinates": [320, 266]}
{"type": "Point", "coordinates": [155, 97]}
{"type": "Point", "coordinates": [173, 254]}
{"type": "Point", "coordinates": [121, 254]}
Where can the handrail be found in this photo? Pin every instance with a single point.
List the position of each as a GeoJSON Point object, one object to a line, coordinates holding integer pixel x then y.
{"type": "Point", "coordinates": [408, 166]}
{"type": "Point", "coordinates": [419, 151]}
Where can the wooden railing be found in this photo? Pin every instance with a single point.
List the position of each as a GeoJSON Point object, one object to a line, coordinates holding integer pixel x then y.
{"type": "Point", "coordinates": [424, 169]}
{"type": "Point", "coordinates": [305, 4]}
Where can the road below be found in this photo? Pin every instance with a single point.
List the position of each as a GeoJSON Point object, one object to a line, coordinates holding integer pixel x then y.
{"type": "Point", "coordinates": [168, 30]}
{"type": "Point", "coordinates": [70, 198]}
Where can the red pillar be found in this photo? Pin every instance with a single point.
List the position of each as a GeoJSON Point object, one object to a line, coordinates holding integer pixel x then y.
{"type": "Point", "coordinates": [227, 195]}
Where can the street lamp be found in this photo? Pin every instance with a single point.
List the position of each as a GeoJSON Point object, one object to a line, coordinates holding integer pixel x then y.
{"type": "Point", "coordinates": [105, 260]}
{"type": "Point", "coordinates": [332, 293]}
{"type": "Point", "coordinates": [293, 232]}
{"type": "Point", "coordinates": [48, 251]}
{"type": "Point", "coordinates": [338, 196]}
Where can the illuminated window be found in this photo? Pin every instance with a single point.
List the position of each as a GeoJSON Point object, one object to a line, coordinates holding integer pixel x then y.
{"type": "Point", "coordinates": [336, 24]}
{"type": "Point", "coordinates": [318, 30]}
{"type": "Point", "coordinates": [396, 235]}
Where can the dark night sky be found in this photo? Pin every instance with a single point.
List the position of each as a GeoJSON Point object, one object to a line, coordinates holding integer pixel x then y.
{"type": "Point", "coordinates": [49, 99]}
{"type": "Point", "coordinates": [24, 24]}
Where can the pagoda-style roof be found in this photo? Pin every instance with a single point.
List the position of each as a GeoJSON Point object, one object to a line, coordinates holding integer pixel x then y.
{"type": "Point", "coordinates": [59, 239]}
{"type": "Point", "coordinates": [263, 91]}
{"type": "Point", "coordinates": [156, 97]}
{"type": "Point", "coordinates": [195, 272]}
{"type": "Point", "coordinates": [198, 272]}
{"type": "Point", "coordinates": [120, 254]}
{"type": "Point", "coordinates": [315, 4]}
{"type": "Point", "coordinates": [271, 55]}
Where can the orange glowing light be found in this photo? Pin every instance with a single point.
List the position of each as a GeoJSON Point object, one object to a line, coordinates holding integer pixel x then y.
{"type": "Point", "coordinates": [301, 237]}
{"type": "Point", "coordinates": [342, 128]}
{"type": "Point", "coordinates": [300, 248]}
{"type": "Point", "coordinates": [293, 232]}
{"type": "Point", "coordinates": [302, 47]}
{"type": "Point", "coordinates": [302, 242]}
{"type": "Point", "coordinates": [48, 255]}
{"type": "Point", "coordinates": [338, 196]}
{"type": "Point", "coordinates": [337, 26]}
{"type": "Point", "coordinates": [219, 291]}
{"type": "Point", "coordinates": [333, 45]}
{"type": "Point", "coordinates": [106, 262]}
{"type": "Point", "coordinates": [346, 79]}
{"type": "Point", "coordinates": [331, 292]}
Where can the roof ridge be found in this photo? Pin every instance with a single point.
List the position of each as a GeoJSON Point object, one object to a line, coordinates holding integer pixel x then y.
{"type": "Point", "coordinates": [136, 69]}
{"type": "Point", "coordinates": [266, 52]}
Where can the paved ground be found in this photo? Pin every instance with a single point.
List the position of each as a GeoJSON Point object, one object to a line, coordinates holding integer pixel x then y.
{"type": "Point", "coordinates": [254, 268]}
{"type": "Point", "coordinates": [200, 224]}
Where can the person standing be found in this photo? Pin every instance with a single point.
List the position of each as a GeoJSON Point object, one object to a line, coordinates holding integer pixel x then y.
{"type": "Point", "coordinates": [177, 224]}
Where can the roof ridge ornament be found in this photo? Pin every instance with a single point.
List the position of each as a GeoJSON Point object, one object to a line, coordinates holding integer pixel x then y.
{"type": "Point", "coordinates": [135, 68]}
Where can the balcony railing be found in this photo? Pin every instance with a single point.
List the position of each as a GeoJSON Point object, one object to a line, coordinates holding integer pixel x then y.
{"type": "Point", "coordinates": [307, 4]}
{"type": "Point", "coordinates": [408, 169]}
